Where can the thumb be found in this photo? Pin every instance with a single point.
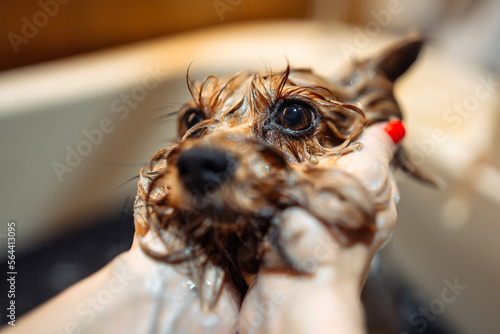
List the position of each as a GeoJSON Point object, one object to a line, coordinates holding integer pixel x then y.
{"type": "Point", "coordinates": [371, 165]}
{"type": "Point", "coordinates": [379, 144]}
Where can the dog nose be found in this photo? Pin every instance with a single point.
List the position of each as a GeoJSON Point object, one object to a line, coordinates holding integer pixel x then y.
{"type": "Point", "coordinates": [203, 169]}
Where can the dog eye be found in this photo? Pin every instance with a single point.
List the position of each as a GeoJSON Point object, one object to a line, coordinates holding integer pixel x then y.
{"type": "Point", "coordinates": [193, 117]}
{"type": "Point", "coordinates": [295, 116]}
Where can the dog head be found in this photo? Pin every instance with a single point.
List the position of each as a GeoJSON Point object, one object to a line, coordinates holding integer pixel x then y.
{"type": "Point", "coordinates": [255, 144]}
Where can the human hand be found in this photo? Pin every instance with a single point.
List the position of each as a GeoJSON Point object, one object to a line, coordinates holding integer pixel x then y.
{"type": "Point", "coordinates": [137, 294]}
{"type": "Point", "coordinates": [328, 299]}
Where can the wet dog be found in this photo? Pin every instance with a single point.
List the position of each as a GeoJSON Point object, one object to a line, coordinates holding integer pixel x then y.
{"type": "Point", "coordinates": [253, 145]}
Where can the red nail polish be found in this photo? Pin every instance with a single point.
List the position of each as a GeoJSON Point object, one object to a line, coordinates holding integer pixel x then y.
{"type": "Point", "coordinates": [396, 130]}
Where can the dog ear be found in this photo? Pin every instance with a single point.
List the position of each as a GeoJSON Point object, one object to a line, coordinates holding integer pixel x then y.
{"type": "Point", "coordinates": [397, 59]}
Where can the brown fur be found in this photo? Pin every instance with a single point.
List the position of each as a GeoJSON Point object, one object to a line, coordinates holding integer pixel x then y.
{"type": "Point", "coordinates": [273, 167]}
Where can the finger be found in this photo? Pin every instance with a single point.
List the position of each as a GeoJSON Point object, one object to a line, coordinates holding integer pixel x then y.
{"type": "Point", "coordinates": [311, 247]}
{"type": "Point", "coordinates": [306, 240]}
{"type": "Point", "coordinates": [378, 146]}
{"type": "Point", "coordinates": [300, 231]}
{"type": "Point", "coordinates": [371, 165]}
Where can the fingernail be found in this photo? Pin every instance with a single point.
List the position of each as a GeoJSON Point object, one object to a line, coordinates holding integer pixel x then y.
{"type": "Point", "coordinates": [396, 130]}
